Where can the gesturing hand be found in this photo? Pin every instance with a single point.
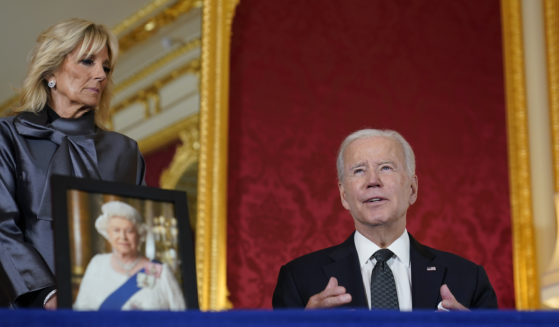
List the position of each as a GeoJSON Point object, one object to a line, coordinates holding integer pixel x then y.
{"type": "Point", "coordinates": [51, 303]}
{"type": "Point", "coordinates": [449, 302]}
{"type": "Point", "coordinates": [332, 296]}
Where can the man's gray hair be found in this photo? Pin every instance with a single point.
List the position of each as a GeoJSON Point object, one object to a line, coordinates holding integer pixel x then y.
{"type": "Point", "coordinates": [369, 132]}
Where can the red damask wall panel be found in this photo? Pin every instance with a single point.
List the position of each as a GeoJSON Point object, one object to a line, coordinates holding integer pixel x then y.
{"type": "Point", "coordinates": [157, 161]}
{"type": "Point", "coordinates": [304, 74]}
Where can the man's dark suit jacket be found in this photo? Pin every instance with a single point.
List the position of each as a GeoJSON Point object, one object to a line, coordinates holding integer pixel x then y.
{"type": "Point", "coordinates": [305, 276]}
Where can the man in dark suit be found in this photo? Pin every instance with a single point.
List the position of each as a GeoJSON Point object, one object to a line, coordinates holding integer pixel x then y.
{"type": "Point", "coordinates": [377, 184]}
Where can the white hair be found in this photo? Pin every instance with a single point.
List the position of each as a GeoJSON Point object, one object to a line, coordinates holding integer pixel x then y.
{"type": "Point", "coordinates": [409, 157]}
{"type": "Point", "coordinates": [122, 210]}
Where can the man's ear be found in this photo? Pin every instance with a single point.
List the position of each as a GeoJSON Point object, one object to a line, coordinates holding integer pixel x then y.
{"type": "Point", "coordinates": [342, 195]}
{"type": "Point", "coordinates": [414, 185]}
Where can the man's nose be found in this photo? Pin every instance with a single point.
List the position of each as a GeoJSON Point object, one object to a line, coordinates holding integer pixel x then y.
{"type": "Point", "coordinates": [373, 179]}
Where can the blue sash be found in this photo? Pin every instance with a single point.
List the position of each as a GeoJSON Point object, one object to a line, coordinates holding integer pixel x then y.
{"type": "Point", "coordinates": [116, 300]}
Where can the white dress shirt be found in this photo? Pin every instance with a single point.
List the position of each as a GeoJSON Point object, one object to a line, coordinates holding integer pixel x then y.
{"type": "Point", "coordinates": [399, 264]}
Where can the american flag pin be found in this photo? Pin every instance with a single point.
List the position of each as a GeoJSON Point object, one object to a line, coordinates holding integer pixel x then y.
{"type": "Point", "coordinates": [433, 268]}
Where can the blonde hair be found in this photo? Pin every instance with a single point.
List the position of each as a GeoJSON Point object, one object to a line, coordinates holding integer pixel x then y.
{"type": "Point", "coordinates": [52, 47]}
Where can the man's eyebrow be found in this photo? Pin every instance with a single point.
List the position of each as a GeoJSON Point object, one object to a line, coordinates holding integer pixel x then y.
{"type": "Point", "coordinates": [359, 164]}
{"type": "Point", "coordinates": [385, 162]}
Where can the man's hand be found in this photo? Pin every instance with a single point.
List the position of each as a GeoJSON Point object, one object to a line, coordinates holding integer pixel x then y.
{"type": "Point", "coordinates": [51, 303]}
{"type": "Point", "coordinates": [449, 301]}
{"type": "Point", "coordinates": [332, 296]}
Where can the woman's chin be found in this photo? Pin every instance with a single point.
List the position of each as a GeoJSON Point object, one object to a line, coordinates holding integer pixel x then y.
{"type": "Point", "coordinates": [126, 253]}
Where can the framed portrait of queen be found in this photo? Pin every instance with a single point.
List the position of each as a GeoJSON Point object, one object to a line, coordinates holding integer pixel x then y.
{"type": "Point", "coordinates": [122, 247]}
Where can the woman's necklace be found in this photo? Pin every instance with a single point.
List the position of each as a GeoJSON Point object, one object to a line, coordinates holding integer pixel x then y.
{"type": "Point", "coordinates": [127, 267]}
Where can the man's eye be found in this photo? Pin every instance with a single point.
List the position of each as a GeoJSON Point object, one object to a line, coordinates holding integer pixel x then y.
{"type": "Point", "coordinates": [385, 168]}
{"type": "Point", "coordinates": [358, 171]}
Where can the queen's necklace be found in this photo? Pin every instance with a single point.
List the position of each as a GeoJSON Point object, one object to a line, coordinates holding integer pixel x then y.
{"type": "Point", "coordinates": [127, 267]}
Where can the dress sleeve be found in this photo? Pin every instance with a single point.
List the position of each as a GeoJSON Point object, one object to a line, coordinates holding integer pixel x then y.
{"type": "Point", "coordinates": [87, 296]}
{"type": "Point", "coordinates": [172, 290]}
{"type": "Point", "coordinates": [26, 273]}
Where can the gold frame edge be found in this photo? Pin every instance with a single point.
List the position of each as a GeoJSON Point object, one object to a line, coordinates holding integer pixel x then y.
{"type": "Point", "coordinates": [526, 277]}
{"type": "Point", "coordinates": [211, 255]}
{"type": "Point", "coordinates": [551, 14]}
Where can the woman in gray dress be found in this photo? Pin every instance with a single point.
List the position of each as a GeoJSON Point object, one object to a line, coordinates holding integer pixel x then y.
{"type": "Point", "coordinates": [58, 130]}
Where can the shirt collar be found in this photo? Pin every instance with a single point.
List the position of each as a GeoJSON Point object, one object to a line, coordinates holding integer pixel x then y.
{"type": "Point", "coordinates": [366, 248]}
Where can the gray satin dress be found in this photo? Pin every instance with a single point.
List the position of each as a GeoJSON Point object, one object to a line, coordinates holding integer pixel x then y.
{"type": "Point", "coordinates": [32, 148]}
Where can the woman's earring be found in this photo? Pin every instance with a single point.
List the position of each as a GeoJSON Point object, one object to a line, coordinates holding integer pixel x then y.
{"type": "Point", "coordinates": [51, 84]}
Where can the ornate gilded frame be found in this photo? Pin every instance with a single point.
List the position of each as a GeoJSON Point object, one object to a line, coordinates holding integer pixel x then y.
{"type": "Point", "coordinates": [212, 170]}
{"type": "Point", "coordinates": [551, 19]}
{"type": "Point", "coordinates": [551, 12]}
{"type": "Point", "coordinates": [526, 277]}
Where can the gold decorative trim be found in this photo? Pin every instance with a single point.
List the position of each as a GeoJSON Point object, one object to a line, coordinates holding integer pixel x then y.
{"type": "Point", "coordinates": [526, 277]}
{"type": "Point", "coordinates": [182, 173]}
{"type": "Point", "coordinates": [153, 25]}
{"type": "Point", "coordinates": [156, 65]}
{"type": "Point", "coordinates": [166, 136]}
{"type": "Point", "coordinates": [551, 19]}
{"type": "Point", "coordinates": [551, 14]}
{"type": "Point", "coordinates": [186, 154]}
{"type": "Point", "coordinates": [137, 17]}
{"type": "Point", "coordinates": [152, 91]}
{"type": "Point", "coordinates": [212, 172]}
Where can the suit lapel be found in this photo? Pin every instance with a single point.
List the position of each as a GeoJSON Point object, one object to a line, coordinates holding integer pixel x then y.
{"type": "Point", "coordinates": [345, 267]}
{"type": "Point", "coordinates": [426, 275]}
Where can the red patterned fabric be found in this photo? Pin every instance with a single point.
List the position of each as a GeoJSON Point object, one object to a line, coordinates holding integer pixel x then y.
{"type": "Point", "coordinates": [159, 160]}
{"type": "Point", "coordinates": [304, 74]}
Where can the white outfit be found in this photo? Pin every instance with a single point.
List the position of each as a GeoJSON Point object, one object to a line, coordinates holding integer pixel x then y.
{"type": "Point", "coordinates": [100, 280]}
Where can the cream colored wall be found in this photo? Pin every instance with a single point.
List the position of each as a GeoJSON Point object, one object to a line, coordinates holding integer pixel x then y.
{"type": "Point", "coordinates": [157, 81]}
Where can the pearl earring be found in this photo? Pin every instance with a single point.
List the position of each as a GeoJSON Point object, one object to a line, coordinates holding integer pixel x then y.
{"type": "Point", "coordinates": [51, 84]}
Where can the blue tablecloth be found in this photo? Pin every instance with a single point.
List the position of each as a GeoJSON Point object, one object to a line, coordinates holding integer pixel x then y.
{"type": "Point", "coordinates": [30, 318]}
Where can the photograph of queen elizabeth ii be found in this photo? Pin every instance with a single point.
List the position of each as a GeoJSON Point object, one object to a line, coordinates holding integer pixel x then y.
{"type": "Point", "coordinates": [127, 278]}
